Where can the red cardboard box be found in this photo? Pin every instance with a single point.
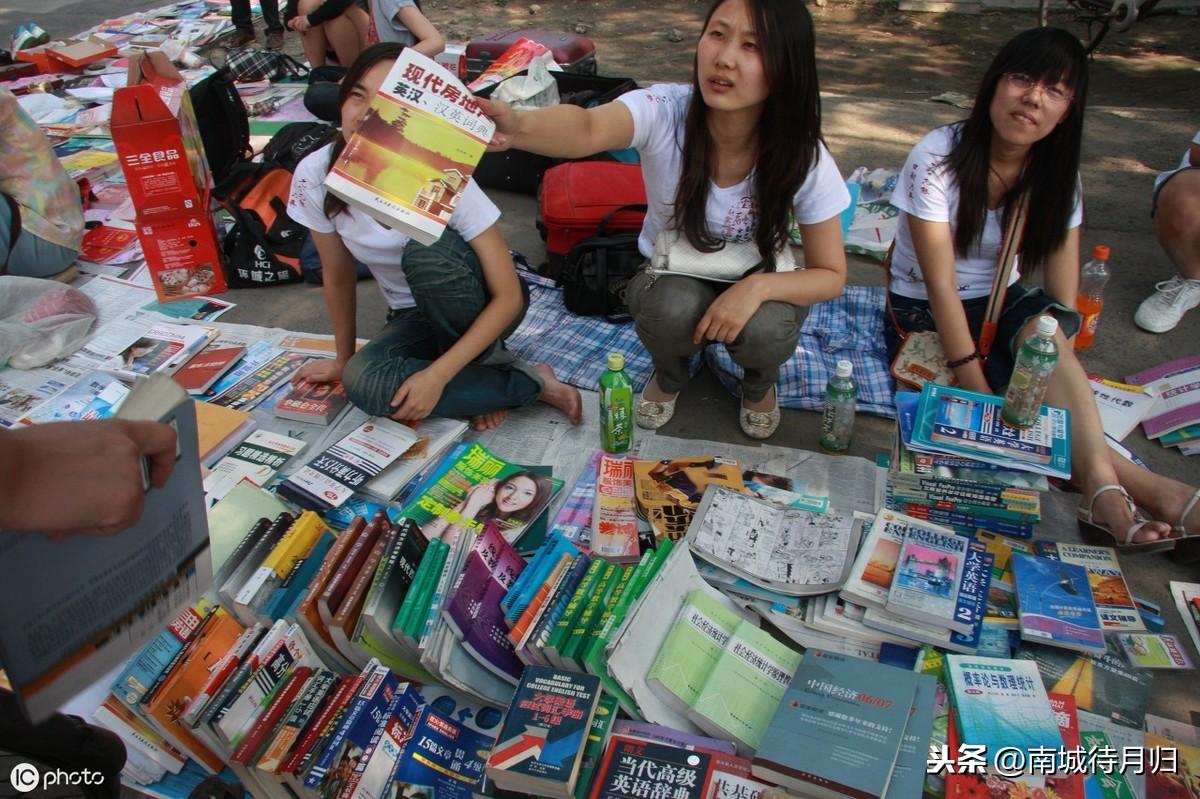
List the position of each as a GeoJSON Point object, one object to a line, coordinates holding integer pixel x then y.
{"type": "Point", "coordinates": [154, 130]}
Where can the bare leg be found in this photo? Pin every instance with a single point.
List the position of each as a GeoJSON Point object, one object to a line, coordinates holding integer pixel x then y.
{"type": "Point", "coordinates": [1177, 222]}
{"type": "Point", "coordinates": [560, 395]}
{"type": "Point", "coordinates": [312, 40]}
{"type": "Point", "coordinates": [1092, 460]}
{"type": "Point", "coordinates": [343, 36]}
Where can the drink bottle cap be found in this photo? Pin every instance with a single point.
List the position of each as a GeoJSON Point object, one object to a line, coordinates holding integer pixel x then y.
{"type": "Point", "coordinates": [616, 361]}
{"type": "Point", "coordinates": [845, 368]}
{"type": "Point", "coordinates": [1047, 326]}
{"type": "Point", "coordinates": [1101, 252]}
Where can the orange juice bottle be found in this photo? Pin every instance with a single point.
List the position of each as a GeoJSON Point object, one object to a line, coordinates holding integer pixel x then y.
{"type": "Point", "coordinates": [1090, 301]}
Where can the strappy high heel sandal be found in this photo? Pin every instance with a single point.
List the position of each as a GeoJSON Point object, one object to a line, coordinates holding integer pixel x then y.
{"type": "Point", "coordinates": [1126, 541]}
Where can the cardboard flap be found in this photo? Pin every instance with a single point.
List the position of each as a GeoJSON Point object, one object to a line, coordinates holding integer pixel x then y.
{"type": "Point", "coordinates": [153, 67]}
{"type": "Point", "coordinates": [82, 53]}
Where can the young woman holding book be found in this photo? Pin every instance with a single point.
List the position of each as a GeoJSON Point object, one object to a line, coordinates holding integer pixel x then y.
{"type": "Point", "coordinates": [733, 162]}
{"type": "Point", "coordinates": [957, 191]}
{"type": "Point", "coordinates": [452, 303]}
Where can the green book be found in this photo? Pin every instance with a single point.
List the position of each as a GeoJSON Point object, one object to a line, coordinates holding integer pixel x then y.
{"type": "Point", "coordinates": [604, 612]}
{"type": "Point", "coordinates": [562, 627]}
{"type": "Point", "coordinates": [693, 646]}
{"type": "Point", "coordinates": [604, 587]}
{"type": "Point", "coordinates": [1113, 784]}
{"type": "Point", "coordinates": [414, 624]}
{"type": "Point", "coordinates": [593, 748]}
{"type": "Point", "coordinates": [424, 570]}
{"type": "Point", "coordinates": [745, 687]}
{"type": "Point", "coordinates": [594, 658]}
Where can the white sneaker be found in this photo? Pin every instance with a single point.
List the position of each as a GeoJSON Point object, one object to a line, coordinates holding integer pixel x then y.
{"type": "Point", "coordinates": [1163, 309]}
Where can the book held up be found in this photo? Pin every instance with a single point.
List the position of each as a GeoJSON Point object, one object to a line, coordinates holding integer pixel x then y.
{"type": "Point", "coordinates": [414, 150]}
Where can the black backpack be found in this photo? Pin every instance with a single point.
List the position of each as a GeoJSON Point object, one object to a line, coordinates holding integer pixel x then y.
{"type": "Point", "coordinates": [224, 125]}
{"type": "Point", "coordinates": [263, 246]}
{"type": "Point", "coordinates": [295, 140]}
{"type": "Point", "coordinates": [598, 270]}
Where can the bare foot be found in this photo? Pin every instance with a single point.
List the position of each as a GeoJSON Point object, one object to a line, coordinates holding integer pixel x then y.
{"type": "Point", "coordinates": [486, 421]}
{"type": "Point", "coordinates": [560, 395]}
{"type": "Point", "coordinates": [1110, 511]}
{"type": "Point", "coordinates": [764, 405]}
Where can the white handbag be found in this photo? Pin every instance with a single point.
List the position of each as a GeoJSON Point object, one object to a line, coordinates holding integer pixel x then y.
{"type": "Point", "coordinates": [674, 255]}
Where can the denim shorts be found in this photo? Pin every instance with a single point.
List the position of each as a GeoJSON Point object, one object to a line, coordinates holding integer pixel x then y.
{"type": "Point", "coordinates": [1021, 304]}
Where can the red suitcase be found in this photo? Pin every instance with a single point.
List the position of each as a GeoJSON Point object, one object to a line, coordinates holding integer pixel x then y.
{"type": "Point", "coordinates": [573, 53]}
{"type": "Point", "coordinates": [576, 195]}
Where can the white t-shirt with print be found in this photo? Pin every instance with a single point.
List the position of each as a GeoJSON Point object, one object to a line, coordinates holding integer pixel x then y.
{"type": "Point", "coordinates": [732, 212]}
{"type": "Point", "coordinates": [380, 248]}
{"type": "Point", "coordinates": [927, 190]}
{"type": "Point", "coordinates": [1184, 163]}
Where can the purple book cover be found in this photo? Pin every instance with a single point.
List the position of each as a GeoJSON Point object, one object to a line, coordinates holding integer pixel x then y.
{"type": "Point", "coordinates": [492, 562]}
{"type": "Point", "coordinates": [487, 636]}
{"type": "Point", "coordinates": [1167, 369]}
{"type": "Point", "coordinates": [1186, 409]}
{"type": "Point", "coordinates": [672, 737]}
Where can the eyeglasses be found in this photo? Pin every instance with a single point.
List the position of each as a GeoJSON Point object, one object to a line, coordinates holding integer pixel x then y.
{"type": "Point", "coordinates": [1022, 82]}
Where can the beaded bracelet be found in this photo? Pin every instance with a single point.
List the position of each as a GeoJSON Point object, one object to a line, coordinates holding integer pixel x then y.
{"type": "Point", "coordinates": [974, 356]}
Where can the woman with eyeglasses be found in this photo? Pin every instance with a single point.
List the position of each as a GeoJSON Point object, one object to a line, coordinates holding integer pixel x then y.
{"type": "Point", "coordinates": [958, 189]}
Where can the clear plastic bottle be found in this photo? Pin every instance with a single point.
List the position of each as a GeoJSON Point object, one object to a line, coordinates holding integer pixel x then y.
{"type": "Point", "coordinates": [1031, 375]}
{"type": "Point", "coordinates": [1090, 301]}
{"type": "Point", "coordinates": [616, 406]}
{"type": "Point", "coordinates": [837, 424]}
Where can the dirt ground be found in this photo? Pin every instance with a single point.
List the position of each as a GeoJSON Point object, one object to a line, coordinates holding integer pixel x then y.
{"type": "Point", "coordinates": [866, 50]}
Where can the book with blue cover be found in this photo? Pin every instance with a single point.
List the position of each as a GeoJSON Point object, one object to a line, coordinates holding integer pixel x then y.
{"type": "Point", "coordinates": [1055, 605]}
{"type": "Point", "coordinates": [442, 759]}
{"type": "Point", "coordinates": [839, 729]}
{"type": "Point", "coordinates": [929, 569]}
{"type": "Point", "coordinates": [961, 422]}
{"type": "Point", "coordinates": [1001, 703]}
{"type": "Point", "coordinates": [540, 746]}
{"type": "Point", "coordinates": [908, 776]}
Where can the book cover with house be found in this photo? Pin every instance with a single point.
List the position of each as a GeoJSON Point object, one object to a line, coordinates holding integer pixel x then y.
{"type": "Point", "coordinates": [929, 569]}
{"type": "Point", "coordinates": [1055, 604]}
{"type": "Point", "coordinates": [414, 151]}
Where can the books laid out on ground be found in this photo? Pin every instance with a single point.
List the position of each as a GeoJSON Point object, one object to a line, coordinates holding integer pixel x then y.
{"type": "Point", "coordinates": [163, 348]}
{"type": "Point", "coordinates": [959, 422]}
{"type": "Point", "coordinates": [329, 479]}
{"type": "Point", "coordinates": [1105, 685]}
{"type": "Point", "coordinates": [319, 403]}
{"type": "Point", "coordinates": [929, 569]}
{"type": "Point", "coordinates": [220, 430]}
{"type": "Point", "coordinates": [257, 459]}
{"type": "Point", "coordinates": [435, 437]}
{"type": "Point", "coordinates": [786, 550]}
{"type": "Point", "coordinates": [1118, 612]}
{"type": "Point", "coordinates": [210, 365]}
{"type": "Point", "coordinates": [478, 486]}
{"type": "Point", "coordinates": [1177, 386]}
{"type": "Point", "coordinates": [841, 727]}
{"type": "Point", "coordinates": [721, 671]}
{"type": "Point", "coordinates": [1055, 604]}
{"type": "Point", "coordinates": [1187, 602]}
{"type": "Point", "coordinates": [540, 747]}
{"type": "Point", "coordinates": [999, 702]}
{"type": "Point", "coordinates": [669, 491]}
{"type": "Point", "coordinates": [1152, 651]}
{"type": "Point", "coordinates": [411, 157]}
{"type": "Point", "coordinates": [1122, 406]}
{"type": "Point", "coordinates": [109, 593]}
{"type": "Point", "coordinates": [255, 380]}
{"type": "Point", "coordinates": [685, 773]}
{"type": "Point", "coordinates": [97, 395]}
{"type": "Point", "coordinates": [615, 517]}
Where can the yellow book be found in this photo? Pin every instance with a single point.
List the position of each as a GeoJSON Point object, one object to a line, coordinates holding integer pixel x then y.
{"type": "Point", "coordinates": [295, 545]}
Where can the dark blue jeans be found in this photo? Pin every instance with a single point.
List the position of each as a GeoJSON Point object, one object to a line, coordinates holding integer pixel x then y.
{"type": "Point", "coordinates": [448, 286]}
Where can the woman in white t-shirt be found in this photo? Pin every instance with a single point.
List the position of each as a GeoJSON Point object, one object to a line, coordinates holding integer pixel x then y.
{"type": "Point", "coordinates": [451, 304]}
{"type": "Point", "coordinates": [735, 157]}
{"type": "Point", "coordinates": [956, 191]}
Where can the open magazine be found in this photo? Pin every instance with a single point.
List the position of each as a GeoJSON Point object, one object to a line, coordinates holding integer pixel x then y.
{"type": "Point", "coordinates": [479, 487]}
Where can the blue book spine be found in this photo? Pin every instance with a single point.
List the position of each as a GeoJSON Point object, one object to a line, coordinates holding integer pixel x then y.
{"type": "Point", "coordinates": [561, 547]}
{"type": "Point", "coordinates": [289, 594]}
{"type": "Point", "coordinates": [535, 562]}
{"type": "Point", "coordinates": [368, 709]}
{"type": "Point", "coordinates": [142, 672]}
{"type": "Point", "coordinates": [443, 754]}
{"type": "Point", "coordinates": [972, 596]}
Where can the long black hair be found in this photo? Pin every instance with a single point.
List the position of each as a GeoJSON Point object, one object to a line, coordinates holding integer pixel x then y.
{"type": "Point", "coordinates": [789, 132]}
{"type": "Point", "coordinates": [542, 490]}
{"type": "Point", "coordinates": [381, 51]}
{"type": "Point", "coordinates": [1051, 55]}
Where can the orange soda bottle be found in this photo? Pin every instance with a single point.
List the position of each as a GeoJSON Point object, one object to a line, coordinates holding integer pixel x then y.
{"type": "Point", "coordinates": [1090, 301]}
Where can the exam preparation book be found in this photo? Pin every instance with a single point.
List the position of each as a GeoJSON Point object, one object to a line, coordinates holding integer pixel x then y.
{"type": "Point", "coordinates": [1055, 604]}
{"type": "Point", "coordinates": [1001, 703]}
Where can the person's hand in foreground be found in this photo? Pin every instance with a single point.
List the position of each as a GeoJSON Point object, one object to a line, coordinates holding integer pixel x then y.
{"type": "Point", "coordinates": [80, 477]}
